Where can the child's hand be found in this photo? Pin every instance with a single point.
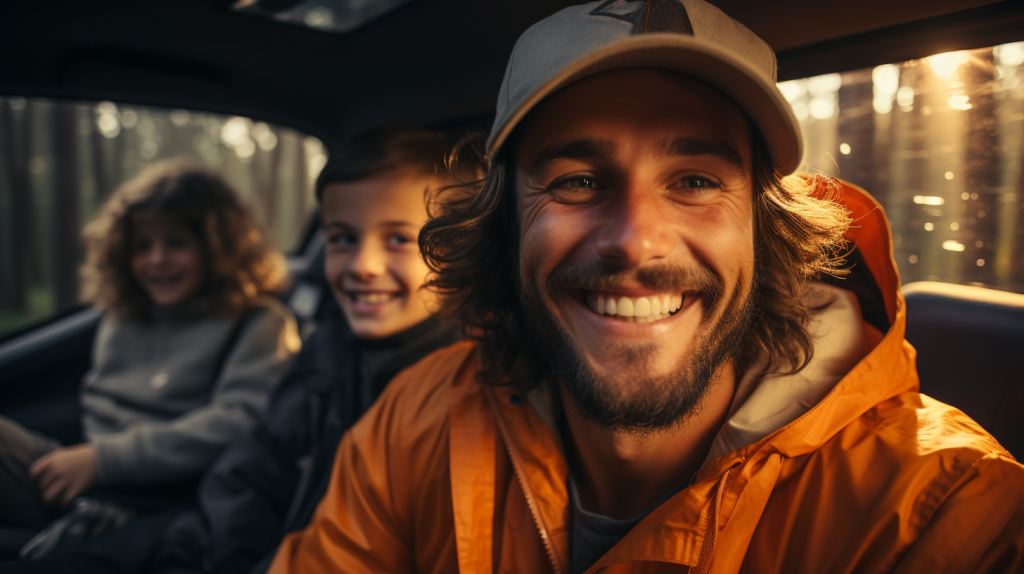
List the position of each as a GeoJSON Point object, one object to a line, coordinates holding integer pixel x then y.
{"type": "Point", "coordinates": [65, 473]}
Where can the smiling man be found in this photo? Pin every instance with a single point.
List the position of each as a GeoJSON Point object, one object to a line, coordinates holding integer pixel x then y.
{"type": "Point", "coordinates": [667, 374]}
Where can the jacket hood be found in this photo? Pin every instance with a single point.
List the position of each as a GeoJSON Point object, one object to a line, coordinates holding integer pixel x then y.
{"type": "Point", "coordinates": [796, 414]}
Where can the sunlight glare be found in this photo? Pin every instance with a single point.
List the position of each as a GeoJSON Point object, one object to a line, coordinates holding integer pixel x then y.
{"type": "Point", "coordinates": [1009, 54]}
{"type": "Point", "coordinates": [958, 102]}
{"type": "Point", "coordinates": [905, 96]}
{"type": "Point", "coordinates": [885, 80]}
{"type": "Point", "coordinates": [946, 64]}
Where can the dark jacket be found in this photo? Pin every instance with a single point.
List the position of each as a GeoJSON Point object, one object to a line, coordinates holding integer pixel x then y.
{"type": "Point", "coordinates": [269, 482]}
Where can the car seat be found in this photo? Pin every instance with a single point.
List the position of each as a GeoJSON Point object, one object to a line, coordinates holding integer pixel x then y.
{"type": "Point", "coordinates": [970, 353]}
{"type": "Point", "coordinates": [309, 297]}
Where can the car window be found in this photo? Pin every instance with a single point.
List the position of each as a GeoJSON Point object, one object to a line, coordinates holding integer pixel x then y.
{"type": "Point", "coordinates": [60, 160]}
{"type": "Point", "coordinates": [939, 142]}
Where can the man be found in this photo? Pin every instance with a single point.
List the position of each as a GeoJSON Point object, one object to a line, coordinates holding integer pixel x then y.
{"type": "Point", "coordinates": [660, 382]}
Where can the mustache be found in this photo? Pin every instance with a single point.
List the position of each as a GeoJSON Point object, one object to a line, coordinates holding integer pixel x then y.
{"type": "Point", "coordinates": [600, 275]}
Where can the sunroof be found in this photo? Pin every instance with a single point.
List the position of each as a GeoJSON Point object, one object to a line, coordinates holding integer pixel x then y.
{"type": "Point", "coordinates": [337, 16]}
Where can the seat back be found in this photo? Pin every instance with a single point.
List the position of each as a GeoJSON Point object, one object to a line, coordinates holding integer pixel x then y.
{"type": "Point", "coordinates": [310, 295]}
{"type": "Point", "coordinates": [970, 353]}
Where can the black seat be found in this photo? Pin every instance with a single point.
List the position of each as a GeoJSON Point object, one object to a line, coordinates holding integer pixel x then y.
{"type": "Point", "coordinates": [310, 295]}
{"type": "Point", "coordinates": [970, 353]}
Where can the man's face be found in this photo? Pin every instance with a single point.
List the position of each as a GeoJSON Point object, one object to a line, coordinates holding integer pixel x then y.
{"type": "Point", "coordinates": [636, 241]}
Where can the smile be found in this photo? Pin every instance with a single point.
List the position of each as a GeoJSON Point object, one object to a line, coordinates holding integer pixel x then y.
{"type": "Point", "coordinates": [371, 302]}
{"type": "Point", "coordinates": [645, 309]}
{"type": "Point", "coordinates": [163, 282]}
{"type": "Point", "coordinates": [372, 298]}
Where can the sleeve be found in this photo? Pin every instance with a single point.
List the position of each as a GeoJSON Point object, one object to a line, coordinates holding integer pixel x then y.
{"type": "Point", "coordinates": [247, 493]}
{"type": "Point", "coordinates": [356, 528]}
{"type": "Point", "coordinates": [243, 497]}
{"type": "Point", "coordinates": [180, 448]}
{"type": "Point", "coordinates": [977, 527]}
{"type": "Point", "coordinates": [353, 530]}
{"type": "Point", "coordinates": [388, 505]}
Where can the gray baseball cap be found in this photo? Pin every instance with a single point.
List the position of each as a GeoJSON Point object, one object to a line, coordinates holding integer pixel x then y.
{"type": "Point", "coordinates": [688, 36]}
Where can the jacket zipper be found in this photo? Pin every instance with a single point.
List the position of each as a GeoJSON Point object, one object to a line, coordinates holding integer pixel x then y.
{"type": "Point", "coordinates": [517, 467]}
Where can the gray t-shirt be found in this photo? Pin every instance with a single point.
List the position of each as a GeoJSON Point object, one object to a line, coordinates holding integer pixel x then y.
{"type": "Point", "coordinates": [593, 535]}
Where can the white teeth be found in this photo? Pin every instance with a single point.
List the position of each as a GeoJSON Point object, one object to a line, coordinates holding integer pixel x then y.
{"type": "Point", "coordinates": [635, 309]}
{"type": "Point", "coordinates": [625, 307]}
{"type": "Point", "coordinates": [642, 308]}
{"type": "Point", "coordinates": [371, 298]}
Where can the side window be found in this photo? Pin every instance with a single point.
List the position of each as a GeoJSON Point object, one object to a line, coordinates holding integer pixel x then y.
{"type": "Point", "coordinates": [939, 142]}
{"type": "Point", "coordinates": [60, 160]}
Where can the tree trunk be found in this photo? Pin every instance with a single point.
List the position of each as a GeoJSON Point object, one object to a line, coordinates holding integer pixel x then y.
{"type": "Point", "coordinates": [19, 151]}
{"type": "Point", "coordinates": [67, 219]}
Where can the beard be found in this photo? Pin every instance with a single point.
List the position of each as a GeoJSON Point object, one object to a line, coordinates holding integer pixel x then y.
{"type": "Point", "coordinates": [634, 400]}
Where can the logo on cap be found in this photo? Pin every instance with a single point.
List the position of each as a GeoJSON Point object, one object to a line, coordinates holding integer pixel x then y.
{"type": "Point", "coordinates": [648, 16]}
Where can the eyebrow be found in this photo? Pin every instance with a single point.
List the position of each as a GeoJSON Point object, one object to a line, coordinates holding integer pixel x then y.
{"type": "Point", "coordinates": [395, 223]}
{"type": "Point", "coordinates": [591, 148]}
{"type": "Point", "coordinates": [578, 149]}
{"type": "Point", "coordinates": [690, 146]}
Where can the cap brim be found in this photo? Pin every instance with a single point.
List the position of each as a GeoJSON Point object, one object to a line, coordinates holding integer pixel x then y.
{"type": "Point", "coordinates": [758, 97]}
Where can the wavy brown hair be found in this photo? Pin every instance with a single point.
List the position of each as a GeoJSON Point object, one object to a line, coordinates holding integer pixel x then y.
{"type": "Point", "coordinates": [240, 266]}
{"type": "Point", "coordinates": [471, 244]}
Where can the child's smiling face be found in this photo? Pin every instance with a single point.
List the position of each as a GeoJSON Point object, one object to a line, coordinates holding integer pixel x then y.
{"type": "Point", "coordinates": [373, 261]}
{"type": "Point", "coordinates": [166, 259]}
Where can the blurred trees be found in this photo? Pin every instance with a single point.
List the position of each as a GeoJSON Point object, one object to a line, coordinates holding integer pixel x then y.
{"type": "Point", "coordinates": [60, 160]}
{"type": "Point", "coordinates": [939, 142]}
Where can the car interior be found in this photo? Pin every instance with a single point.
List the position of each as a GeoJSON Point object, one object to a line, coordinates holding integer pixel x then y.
{"type": "Point", "coordinates": [439, 63]}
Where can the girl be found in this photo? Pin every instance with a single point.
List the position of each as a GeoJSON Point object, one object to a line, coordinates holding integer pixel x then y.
{"type": "Point", "coordinates": [190, 345]}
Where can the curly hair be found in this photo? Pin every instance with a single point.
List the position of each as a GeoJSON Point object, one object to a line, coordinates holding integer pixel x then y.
{"type": "Point", "coordinates": [471, 245]}
{"type": "Point", "coordinates": [240, 266]}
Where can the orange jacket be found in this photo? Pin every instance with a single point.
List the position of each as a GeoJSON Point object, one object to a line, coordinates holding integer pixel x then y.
{"type": "Point", "coordinates": [444, 475]}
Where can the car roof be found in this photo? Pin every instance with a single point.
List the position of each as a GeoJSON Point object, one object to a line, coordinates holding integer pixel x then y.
{"type": "Point", "coordinates": [430, 62]}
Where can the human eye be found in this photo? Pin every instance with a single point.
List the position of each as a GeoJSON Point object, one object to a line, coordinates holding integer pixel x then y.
{"type": "Point", "coordinates": [576, 188]}
{"type": "Point", "coordinates": [341, 239]}
{"type": "Point", "coordinates": [141, 245]}
{"type": "Point", "coordinates": [178, 242]}
{"type": "Point", "coordinates": [695, 188]}
{"type": "Point", "coordinates": [697, 182]}
{"type": "Point", "coordinates": [399, 239]}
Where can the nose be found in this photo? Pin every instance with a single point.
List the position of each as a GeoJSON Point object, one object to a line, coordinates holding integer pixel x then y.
{"type": "Point", "coordinates": [635, 231]}
{"type": "Point", "coordinates": [367, 263]}
{"type": "Point", "coordinates": [157, 253]}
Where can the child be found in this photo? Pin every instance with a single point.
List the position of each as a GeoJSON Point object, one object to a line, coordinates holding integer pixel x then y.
{"type": "Point", "coordinates": [190, 345]}
{"type": "Point", "coordinates": [373, 196]}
